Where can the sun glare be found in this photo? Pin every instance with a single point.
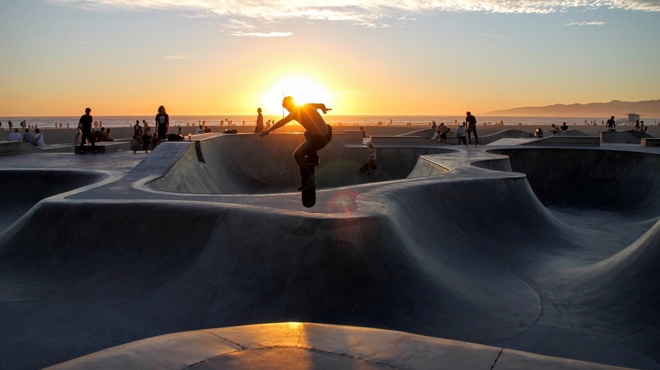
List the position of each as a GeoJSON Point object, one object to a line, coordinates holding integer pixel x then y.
{"type": "Point", "coordinates": [302, 89]}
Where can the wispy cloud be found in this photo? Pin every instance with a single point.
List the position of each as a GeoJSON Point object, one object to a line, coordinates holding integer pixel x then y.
{"type": "Point", "coordinates": [368, 13]}
{"type": "Point", "coordinates": [358, 9]}
{"type": "Point", "coordinates": [176, 57]}
{"type": "Point", "coordinates": [261, 34]}
{"type": "Point", "coordinates": [585, 23]}
{"type": "Point", "coordinates": [490, 36]}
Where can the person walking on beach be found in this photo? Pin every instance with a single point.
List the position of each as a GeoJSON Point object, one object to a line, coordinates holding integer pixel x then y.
{"type": "Point", "coordinates": [162, 123]}
{"type": "Point", "coordinates": [317, 135]}
{"type": "Point", "coordinates": [85, 124]}
{"type": "Point", "coordinates": [472, 128]}
{"type": "Point", "coordinates": [260, 122]}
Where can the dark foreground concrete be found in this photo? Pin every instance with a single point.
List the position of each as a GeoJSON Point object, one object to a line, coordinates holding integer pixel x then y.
{"type": "Point", "coordinates": [454, 244]}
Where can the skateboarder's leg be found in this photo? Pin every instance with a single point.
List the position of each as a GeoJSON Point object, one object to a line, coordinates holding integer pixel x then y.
{"type": "Point", "coordinates": [300, 154]}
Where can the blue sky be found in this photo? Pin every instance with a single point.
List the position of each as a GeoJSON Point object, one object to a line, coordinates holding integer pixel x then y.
{"type": "Point", "coordinates": [361, 57]}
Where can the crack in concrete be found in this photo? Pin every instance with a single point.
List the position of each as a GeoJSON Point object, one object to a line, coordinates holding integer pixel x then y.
{"type": "Point", "coordinates": [498, 357]}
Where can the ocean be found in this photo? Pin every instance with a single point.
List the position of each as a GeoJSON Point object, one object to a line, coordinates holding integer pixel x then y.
{"type": "Point", "coordinates": [339, 120]}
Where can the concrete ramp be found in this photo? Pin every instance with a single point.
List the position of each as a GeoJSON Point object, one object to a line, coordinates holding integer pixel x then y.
{"type": "Point", "coordinates": [545, 250]}
{"type": "Point", "coordinates": [602, 179]}
{"type": "Point", "coordinates": [249, 164]}
{"type": "Point", "coordinates": [22, 189]}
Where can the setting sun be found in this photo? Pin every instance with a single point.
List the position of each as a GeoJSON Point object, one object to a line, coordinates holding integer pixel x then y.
{"type": "Point", "coordinates": [302, 89]}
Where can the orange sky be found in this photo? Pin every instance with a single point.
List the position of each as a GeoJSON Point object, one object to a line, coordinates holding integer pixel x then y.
{"type": "Point", "coordinates": [211, 57]}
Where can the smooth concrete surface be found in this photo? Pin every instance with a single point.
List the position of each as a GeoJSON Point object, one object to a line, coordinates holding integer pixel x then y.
{"type": "Point", "coordinates": [622, 137]}
{"type": "Point", "coordinates": [551, 251]}
{"type": "Point", "coordinates": [312, 346]}
{"type": "Point", "coordinates": [15, 147]}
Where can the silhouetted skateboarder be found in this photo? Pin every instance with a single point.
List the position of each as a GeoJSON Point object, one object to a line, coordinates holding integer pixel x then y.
{"type": "Point", "coordinates": [317, 135]}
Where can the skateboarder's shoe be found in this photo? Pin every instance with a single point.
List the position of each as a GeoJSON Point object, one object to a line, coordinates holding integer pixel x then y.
{"type": "Point", "coordinates": [308, 183]}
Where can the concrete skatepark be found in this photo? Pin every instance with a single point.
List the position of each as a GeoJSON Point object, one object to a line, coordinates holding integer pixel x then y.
{"type": "Point", "coordinates": [516, 254]}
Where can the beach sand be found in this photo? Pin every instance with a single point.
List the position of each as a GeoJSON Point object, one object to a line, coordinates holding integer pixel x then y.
{"type": "Point", "coordinates": [67, 136]}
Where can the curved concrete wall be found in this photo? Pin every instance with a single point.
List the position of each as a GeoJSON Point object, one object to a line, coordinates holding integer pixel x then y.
{"type": "Point", "coordinates": [22, 189]}
{"type": "Point", "coordinates": [247, 164]}
{"type": "Point", "coordinates": [601, 179]}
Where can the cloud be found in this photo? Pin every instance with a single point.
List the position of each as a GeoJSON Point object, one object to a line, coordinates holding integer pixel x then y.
{"type": "Point", "coordinates": [585, 23]}
{"type": "Point", "coordinates": [261, 34]}
{"type": "Point", "coordinates": [371, 13]}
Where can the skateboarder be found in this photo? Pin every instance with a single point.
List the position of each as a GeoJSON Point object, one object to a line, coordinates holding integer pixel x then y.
{"type": "Point", "coordinates": [317, 135]}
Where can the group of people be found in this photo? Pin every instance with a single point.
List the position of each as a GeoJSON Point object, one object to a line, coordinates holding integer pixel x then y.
{"type": "Point", "coordinates": [640, 127]}
{"type": "Point", "coordinates": [98, 134]}
{"type": "Point", "coordinates": [35, 138]}
{"type": "Point", "coordinates": [143, 137]}
{"type": "Point", "coordinates": [555, 130]}
{"type": "Point", "coordinates": [463, 132]}
{"type": "Point", "coordinates": [141, 134]}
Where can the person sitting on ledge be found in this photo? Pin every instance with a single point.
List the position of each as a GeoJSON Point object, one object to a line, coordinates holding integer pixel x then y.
{"type": "Point", "coordinates": [15, 136]}
{"type": "Point", "coordinates": [554, 130]}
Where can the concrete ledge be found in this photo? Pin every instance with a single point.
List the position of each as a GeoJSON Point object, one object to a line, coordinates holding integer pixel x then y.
{"type": "Point", "coordinates": [406, 141]}
{"type": "Point", "coordinates": [16, 147]}
{"type": "Point", "coordinates": [566, 141]}
{"type": "Point", "coordinates": [650, 142]}
{"type": "Point", "coordinates": [622, 137]}
{"type": "Point", "coordinates": [104, 147]}
{"type": "Point", "coordinates": [352, 137]}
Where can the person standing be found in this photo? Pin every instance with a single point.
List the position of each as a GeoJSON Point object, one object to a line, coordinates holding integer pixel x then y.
{"type": "Point", "coordinates": [472, 128]}
{"type": "Point", "coordinates": [461, 134]}
{"type": "Point", "coordinates": [162, 123]}
{"type": "Point", "coordinates": [371, 159]}
{"type": "Point", "coordinates": [85, 124]}
{"type": "Point", "coordinates": [260, 122]}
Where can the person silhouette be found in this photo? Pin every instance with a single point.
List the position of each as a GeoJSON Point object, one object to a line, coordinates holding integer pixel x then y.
{"type": "Point", "coordinates": [317, 135]}
{"type": "Point", "coordinates": [260, 122]}
{"type": "Point", "coordinates": [471, 128]}
{"type": "Point", "coordinates": [162, 123]}
{"type": "Point", "coordinates": [85, 124]}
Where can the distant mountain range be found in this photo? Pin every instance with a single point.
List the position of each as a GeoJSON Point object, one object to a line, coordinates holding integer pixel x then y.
{"type": "Point", "coordinates": [619, 109]}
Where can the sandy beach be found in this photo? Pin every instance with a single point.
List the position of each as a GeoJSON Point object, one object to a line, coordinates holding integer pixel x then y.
{"type": "Point", "coordinates": [65, 136]}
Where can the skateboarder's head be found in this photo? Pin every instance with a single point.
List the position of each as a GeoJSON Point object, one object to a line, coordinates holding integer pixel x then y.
{"type": "Point", "coordinates": [288, 103]}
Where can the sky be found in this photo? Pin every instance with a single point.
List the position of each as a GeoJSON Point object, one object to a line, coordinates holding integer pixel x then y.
{"type": "Point", "coordinates": [207, 57]}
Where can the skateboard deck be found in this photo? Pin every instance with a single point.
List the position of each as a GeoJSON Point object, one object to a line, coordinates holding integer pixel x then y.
{"type": "Point", "coordinates": [309, 194]}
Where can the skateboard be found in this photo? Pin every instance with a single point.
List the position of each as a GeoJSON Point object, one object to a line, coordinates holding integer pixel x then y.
{"type": "Point", "coordinates": [309, 194]}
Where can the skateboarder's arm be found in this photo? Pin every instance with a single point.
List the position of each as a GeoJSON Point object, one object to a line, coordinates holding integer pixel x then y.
{"type": "Point", "coordinates": [277, 125]}
{"type": "Point", "coordinates": [320, 106]}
